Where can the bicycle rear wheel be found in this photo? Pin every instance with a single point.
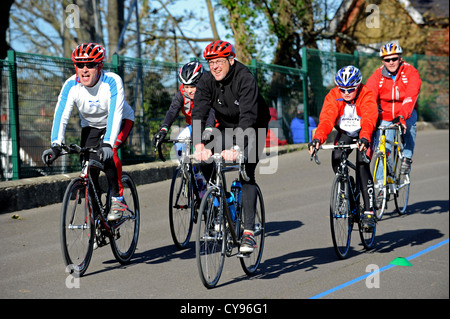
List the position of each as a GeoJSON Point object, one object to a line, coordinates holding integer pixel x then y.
{"type": "Point", "coordinates": [77, 229]}
{"type": "Point", "coordinates": [210, 241]}
{"type": "Point", "coordinates": [381, 193]}
{"type": "Point", "coordinates": [181, 208]}
{"type": "Point", "coordinates": [126, 230]}
{"type": "Point", "coordinates": [402, 184]}
{"type": "Point", "coordinates": [341, 221]}
{"type": "Point", "coordinates": [251, 262]}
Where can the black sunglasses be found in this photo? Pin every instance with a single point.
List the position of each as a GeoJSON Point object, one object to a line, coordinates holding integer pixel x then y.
{"type": "Point", "coordinates": [89, 65]}
{"type": "Point", "coordinates": [391, 59]}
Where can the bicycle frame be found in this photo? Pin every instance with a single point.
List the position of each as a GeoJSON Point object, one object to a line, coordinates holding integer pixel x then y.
{"type": "Point", "coordinates": [395, 147]}
{"type": "Point", "coordinates": [392, 181]}
{"type": "Point", "coordinates": [88, 183]}
{"type": "Point", "coordinates": [343, 171]}
{"type": "Point", "coordinates": [220, 186]}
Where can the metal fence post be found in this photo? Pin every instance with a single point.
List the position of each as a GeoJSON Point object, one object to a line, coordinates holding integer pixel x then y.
{"type": "Point", "coordinates": [356, 55]}
{"type": "Point", "coordinates": [304, 72]}
{"type": "Point", "coordinates": [14, 114]}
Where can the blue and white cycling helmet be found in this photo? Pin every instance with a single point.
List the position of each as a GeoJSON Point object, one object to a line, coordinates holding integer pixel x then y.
{"type": "Point", "coordinates": [348, 76]}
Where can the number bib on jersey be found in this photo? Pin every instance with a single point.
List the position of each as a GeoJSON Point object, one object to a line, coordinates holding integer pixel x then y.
{"type": "Point", "coordinates": [350, 121]}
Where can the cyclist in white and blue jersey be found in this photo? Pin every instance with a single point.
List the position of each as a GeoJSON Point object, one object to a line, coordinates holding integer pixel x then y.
{"type": "Point", "coordinates": [106, 118]}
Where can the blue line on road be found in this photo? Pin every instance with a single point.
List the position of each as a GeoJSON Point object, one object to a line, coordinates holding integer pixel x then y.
{"type": "Point", "coordinates": [378, 271]}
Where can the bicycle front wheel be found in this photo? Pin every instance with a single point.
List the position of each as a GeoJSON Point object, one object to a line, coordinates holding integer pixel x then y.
{"type": "Point", "coordinates": [251, 262]}
{"type": "Point", "coordinates": [181, 208]}
{"type": "Point", "coordinates": [381, 188]}
{"type": "Point", "coordinates": [77, 229]}
{"type": "Point", "coordinates": [341, 221]}
{"type": "Point", "coordinates": [125, 231]}
{"type": "Point", "coordinates": [366, 233]}
{"type": "Point", "coordinates": [210, 241]}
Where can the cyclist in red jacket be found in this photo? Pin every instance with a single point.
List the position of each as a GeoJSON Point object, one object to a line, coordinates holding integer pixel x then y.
{"type": "Point", "coordinates": [396, 85]}
{"type": "Point", "coordinates": [350, 107]}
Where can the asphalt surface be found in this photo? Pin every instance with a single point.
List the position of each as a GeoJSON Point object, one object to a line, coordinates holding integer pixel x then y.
{"type": "Point", "coordinates": [298, 261]}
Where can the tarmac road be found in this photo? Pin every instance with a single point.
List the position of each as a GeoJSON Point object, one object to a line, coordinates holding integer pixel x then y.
{"type": "Point", "coordinates": [298, 261]}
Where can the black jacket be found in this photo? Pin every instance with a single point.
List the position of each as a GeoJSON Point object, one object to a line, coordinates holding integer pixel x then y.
{"type": "Point", "coordinates": [236, 100]}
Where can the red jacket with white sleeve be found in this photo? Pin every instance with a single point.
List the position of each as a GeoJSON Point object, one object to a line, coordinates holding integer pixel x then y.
{"type": "Point", "coordinates": [333, 114]}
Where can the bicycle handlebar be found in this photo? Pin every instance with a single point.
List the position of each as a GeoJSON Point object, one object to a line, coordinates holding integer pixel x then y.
{"type": "Point", "coordinates": [72, 149]}
{"type": "Point", "coordinates": [158, 145]}
{"type": "Point", "coordinates": [337, 147]}
{"type": "Point", "coordinates": [216, 157]}
{"type": "Point", "coordinates": [393, 126]}
{"type": "Point", "coordinates": [75, 149]}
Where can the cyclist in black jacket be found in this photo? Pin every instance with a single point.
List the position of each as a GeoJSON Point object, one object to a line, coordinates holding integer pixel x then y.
{"type": "Point", "coordinates": [242, 115]}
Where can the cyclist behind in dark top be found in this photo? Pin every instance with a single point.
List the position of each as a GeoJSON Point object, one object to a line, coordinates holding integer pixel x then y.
{"type": "Point", "coordinates": [351, 108]}
{"type": "Point", "coordinates": [242, 114]}
{"type": "Point", "coordinates": [183, 101]}
{"type": "Point", "coordinates": [106, 118]}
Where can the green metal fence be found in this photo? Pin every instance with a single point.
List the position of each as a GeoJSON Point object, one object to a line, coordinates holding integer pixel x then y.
{"type": "Point", "coordinates": [30, 85]}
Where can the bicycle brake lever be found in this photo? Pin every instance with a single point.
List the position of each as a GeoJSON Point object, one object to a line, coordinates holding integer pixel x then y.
{"type": "Point", "coordinates": [365, 157]}
{"type": "Point", "coordinates": [315, 157]}
{"type": "Point", "coordinates": [161, 157]}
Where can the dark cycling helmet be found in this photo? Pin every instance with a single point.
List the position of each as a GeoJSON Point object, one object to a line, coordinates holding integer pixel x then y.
{"type": "Point", "coordinates": [88, 52]}
{"type": "Point", "coordinates": [190, 73]}
{"type": "Point", "coordinates": [219, 49]}
{"type": "Point", "coordinates": [348, 76]}
{"type": "Point", "coordinates": [390, 48]}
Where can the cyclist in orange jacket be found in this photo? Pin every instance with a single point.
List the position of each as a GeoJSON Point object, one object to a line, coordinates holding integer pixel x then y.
{"type": "Point", "coordinates": [350, 107]}
{"type": "Point", "coordinates": [396, 85]}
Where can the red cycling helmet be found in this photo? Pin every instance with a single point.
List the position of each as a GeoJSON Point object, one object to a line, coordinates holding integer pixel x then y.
{"type": "Point", "coordinates": [219, 49]}
{"type": "Point", "coordinates": [88, 52]}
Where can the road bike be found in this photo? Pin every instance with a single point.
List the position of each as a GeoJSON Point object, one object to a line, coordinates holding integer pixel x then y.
{"type": "Point", "coordinates": [185, 193]}
{"type": "Point", "coordinates": [84, 224]}
{"type": "Point", "coordinates": [345, 204]}
{"type": "Point", "coordinates": [220, 226]}
{"type": "Point", "coordinates": [392, 181]}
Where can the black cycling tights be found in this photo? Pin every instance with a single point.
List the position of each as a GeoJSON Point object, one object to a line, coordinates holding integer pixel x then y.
{"type": "Point", "coordinates": [363, 172]}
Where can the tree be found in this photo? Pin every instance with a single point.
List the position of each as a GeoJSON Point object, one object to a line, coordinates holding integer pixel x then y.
{"type": "Point", "coordinates": [55, 28]}
{"type": "Point", "coordinates": [5, 7]}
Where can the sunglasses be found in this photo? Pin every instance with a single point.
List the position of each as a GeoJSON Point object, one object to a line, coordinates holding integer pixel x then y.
{"type": "Point", "coordinates": [349, 90]}
{"type": "Point", "coordinates": [391, 59]}
{"type": "Point", "coordinates": [89, 65]}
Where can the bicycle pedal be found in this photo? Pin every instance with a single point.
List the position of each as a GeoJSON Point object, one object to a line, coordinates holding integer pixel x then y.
{"type": "Point", "coordinates": [243, 255]}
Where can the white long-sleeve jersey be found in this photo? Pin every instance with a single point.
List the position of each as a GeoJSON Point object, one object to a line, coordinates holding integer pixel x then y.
{"type": "Point", "coordinates": [100, 106]}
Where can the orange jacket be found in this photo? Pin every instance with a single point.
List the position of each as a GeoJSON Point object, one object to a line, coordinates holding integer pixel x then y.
{"type": "Point", "coordinates": [333, 108]}
{"type": "Point", "coordinates": [397, 97]}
